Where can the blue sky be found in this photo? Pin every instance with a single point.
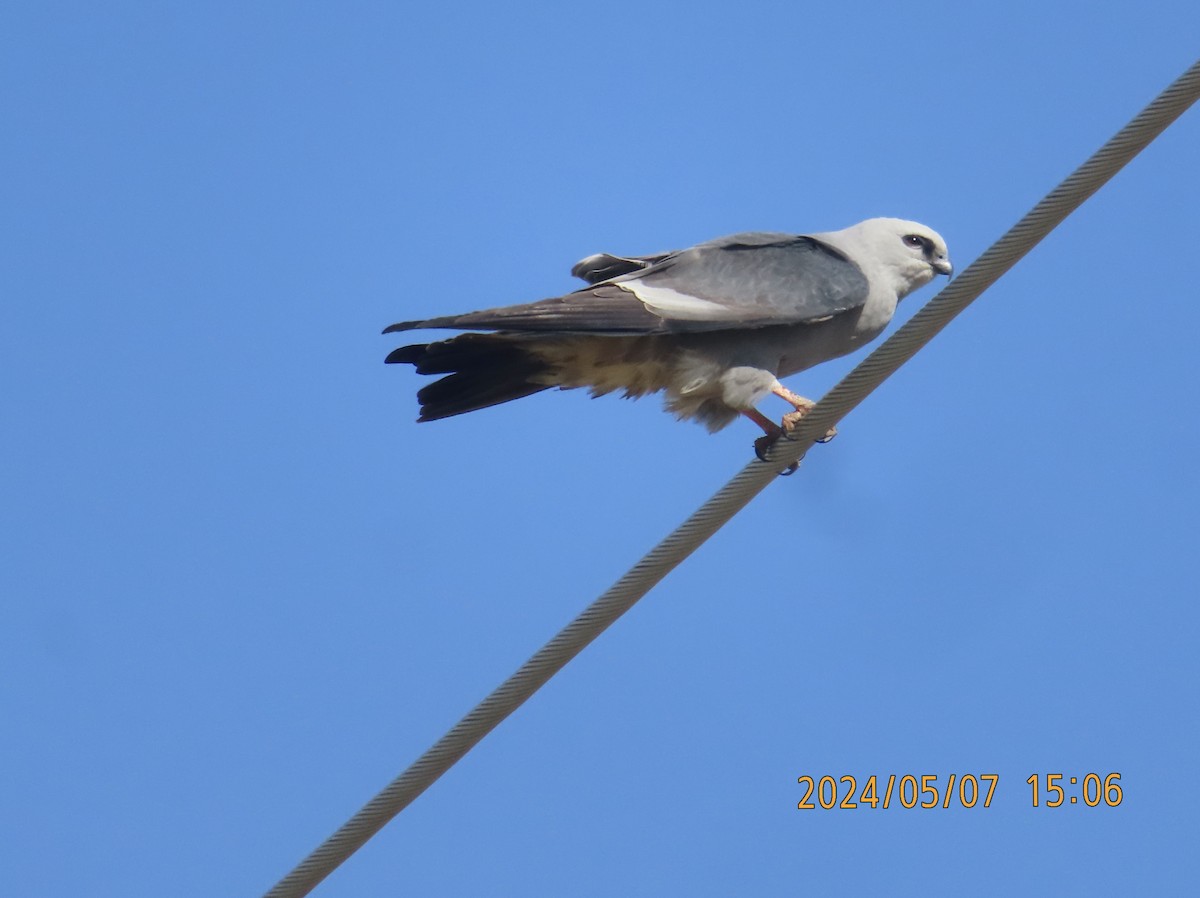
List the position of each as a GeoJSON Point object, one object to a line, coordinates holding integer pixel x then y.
{"type": "Point", "coordinates": [242, 589]}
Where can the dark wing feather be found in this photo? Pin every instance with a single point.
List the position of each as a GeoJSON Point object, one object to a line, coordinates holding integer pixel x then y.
{"type": "Point", "coordinates": [744, 281]}
{"type": "Point", "coordinates": [604, 266]}
{"type": "Point", "coordinates": [602, 309]}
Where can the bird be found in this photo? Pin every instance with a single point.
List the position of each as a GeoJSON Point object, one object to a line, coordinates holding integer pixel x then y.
{"type": "Point", "coordinates": [714, 327]}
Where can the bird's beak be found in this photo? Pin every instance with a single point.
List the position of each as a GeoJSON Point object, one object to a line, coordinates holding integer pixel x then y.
{"type": "Point", "coordinates": [943, 266]}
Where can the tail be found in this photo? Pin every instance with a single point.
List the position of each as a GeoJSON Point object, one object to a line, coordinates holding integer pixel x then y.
{"type": "Point", "coordinates": [481, 370]}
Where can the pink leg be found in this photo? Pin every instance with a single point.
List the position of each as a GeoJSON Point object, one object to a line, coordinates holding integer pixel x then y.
{"type": "Point", "coordinates": [773, 432]}
{"type": "Point", "coordinates": [803, 407]}
{"type": "Point", "coordinates": [798, 402]}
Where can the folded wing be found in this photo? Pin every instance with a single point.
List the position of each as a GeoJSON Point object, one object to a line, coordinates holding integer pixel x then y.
{"type": "Point", "coordinates": [747, 280]}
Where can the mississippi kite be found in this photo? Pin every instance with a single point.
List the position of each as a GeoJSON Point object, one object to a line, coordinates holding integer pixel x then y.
{"type": "Point", "coordinates": [714, 326]}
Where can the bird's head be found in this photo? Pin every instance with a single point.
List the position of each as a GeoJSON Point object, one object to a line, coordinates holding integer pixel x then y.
{"type": "Point", "coordinates": [907, 255]}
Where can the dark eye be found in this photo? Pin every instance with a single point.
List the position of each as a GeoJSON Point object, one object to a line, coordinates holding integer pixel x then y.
{"type": "Point", "coordinates": [917, 241]}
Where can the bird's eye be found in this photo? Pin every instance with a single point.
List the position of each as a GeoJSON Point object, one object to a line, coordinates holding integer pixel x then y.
{"type": "Point", "coordinates": [916, 241]}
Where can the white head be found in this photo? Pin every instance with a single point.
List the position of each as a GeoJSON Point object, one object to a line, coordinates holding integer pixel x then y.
{"type": "Point", "coordinates": [903, 255]}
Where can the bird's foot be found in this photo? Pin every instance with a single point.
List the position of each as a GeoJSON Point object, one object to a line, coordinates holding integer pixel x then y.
{"type": "Point", "coordinates": [792, 420]}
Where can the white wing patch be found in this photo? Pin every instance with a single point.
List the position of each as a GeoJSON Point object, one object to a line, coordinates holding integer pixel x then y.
{"type": "Point", "coordinates": [679, 306]}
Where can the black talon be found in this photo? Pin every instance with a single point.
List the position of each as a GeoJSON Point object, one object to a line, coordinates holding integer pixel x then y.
{"type": "Point", "coordinates": [763, 445]}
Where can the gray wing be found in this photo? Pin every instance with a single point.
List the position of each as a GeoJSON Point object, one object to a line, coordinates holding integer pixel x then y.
{"type": "Point", "coordinates": [745, 281]}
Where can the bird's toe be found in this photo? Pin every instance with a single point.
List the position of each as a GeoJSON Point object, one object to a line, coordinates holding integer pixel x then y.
{"type": "Point", "coordinates": [792, 420]}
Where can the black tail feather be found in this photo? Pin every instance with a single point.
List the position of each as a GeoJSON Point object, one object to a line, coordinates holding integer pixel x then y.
{"type": "Point", "coordinates": [482, 370]}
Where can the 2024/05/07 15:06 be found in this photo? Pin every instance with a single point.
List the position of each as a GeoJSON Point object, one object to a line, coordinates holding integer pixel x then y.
{"type": "Point", "coordinates": [971, 790]}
